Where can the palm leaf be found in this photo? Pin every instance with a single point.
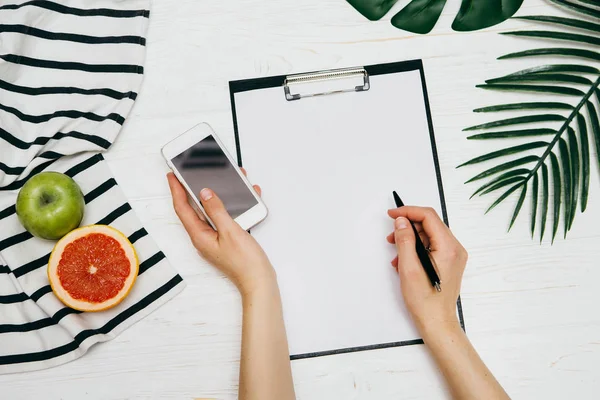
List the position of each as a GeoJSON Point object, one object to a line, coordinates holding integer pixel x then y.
{"type": "Point", "coordinates": [575, 173]}
{"type": "Point", "coordinates": [504, 166]}
{"type": "Point", "coordinates": [504, 196]}
{"type": "Point", "coordinates": [573, 37]}
{"type": "Point", "coordinates": [515, 133]}
{"type": "Point", "coordinates": [559, 166]}
{"type": "Point", "coordinates": [502, 178]}
{"type": "Point", "coordinates": [518, 121]}
{"type": "Point", "coordinates": [585, 161]}
{"type": "Point", "coordinates": [578, 8]}
{"type": "Point", "coordinates": [555, 51]}
{"type": "Point", "coordinates": [542, 69]}
{"type": "Point", "coordinates": [544, 201]}
{"type": "Point", "coordinates": [526, 106]}
{"type": "Point", "coordinates": [506, 152]}
{"type": "Point", "coordinates": [565, 160]}
{"type": "Point", "coordinates": [555, 77]}
{"type": "Point", "coordinates": [557, 193]}
{"type": "Point", "coordinates": [518, 206]}
{"type": "Point", "coordinates": [534, 202]}
{"type": "Point", "coordinates": [575, 23]}
{"type": "Point", "coordinates": [534, 88]}
{"type": "Point", "coordinates": [501, 184]}
{"type": "Point", "coordinates": [595, 126]}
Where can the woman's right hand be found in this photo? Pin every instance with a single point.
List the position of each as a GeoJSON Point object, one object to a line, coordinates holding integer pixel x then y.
{"type": "Point", "coordinates": [431, 311]}
{"type": "Point", "coordinates": [434, 312]}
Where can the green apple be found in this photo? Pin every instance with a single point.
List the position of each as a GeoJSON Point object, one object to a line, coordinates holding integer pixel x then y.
{"type": "Point", "coordinates": [50, 205]}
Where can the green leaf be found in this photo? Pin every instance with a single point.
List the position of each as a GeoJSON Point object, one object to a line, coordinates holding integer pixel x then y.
{"type": "Point", "coordinates": [557, 192]}
{"type": "Point", "coordinates": [568, 152]}
{"type": "Point", "coordinates": [573, 37]}
{"type": "Point", "coordinates": [518, 120]}
{"type": "Point", "coordinates": [542, 69]}
{"type": "Point", "coordinates": [539, 105]}
{"type": "Point", "coordinates": [501, 183]}
{"type": "Point", "coordinates": [544, 201]}
{"type": "Point", "coordinates": [419, 16]}
{"type": "Point", "coordinates": [566, 168]}
{"type": "Point", "coordinates": [479, 14]}
{"type": "Point", "coordinates": [506, 175]}
{"type": "Point", "coordinates": [564, 21]}
{"type": "Point", "coordinates": [575, 173]}
{"type": "Point", "coordinates": [555, 51]}
{"type": "Point", "coordinates": [513, 134]}
{"type": "Point", "coordinates": [518, 206]}
{"type": "Point", "coordinates": [505, 152]}
{"type": "Point", "coordinates": [551, 77]}
{"type": "Point", "coordinates": [595, 123]}
{"type": "Point", "coordinates": [504, 196]}
{"type": "Point", "coordinates": [534, 202]}
{"type": "Point", "coordinates": [579, 8]}
{"type": "Point", "coordinates": [585, 160]}
{"type": "Point", "coordinates": [503, 167]}
{"type": "Point", "coordinates": [533, 88]}
{"type": "Point", "coordinates": [372, 9]}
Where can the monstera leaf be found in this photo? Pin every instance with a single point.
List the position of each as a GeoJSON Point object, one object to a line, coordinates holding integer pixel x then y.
{"type": "Point", "coordinates": [552, 160]}
{"type": "Point", "coordinates": [420, 16]}
{"type": "Point", "coordinates": [479, 14]}
{"type": "Point", "coordinates": [372, 9]}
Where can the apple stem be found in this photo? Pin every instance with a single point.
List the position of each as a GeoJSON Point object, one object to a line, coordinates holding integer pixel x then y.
{"type": "Point", "coordinates": [46, 199]}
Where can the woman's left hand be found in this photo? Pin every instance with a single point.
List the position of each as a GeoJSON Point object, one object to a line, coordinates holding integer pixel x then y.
{"type": "Point", "coordinates": [229, 248]}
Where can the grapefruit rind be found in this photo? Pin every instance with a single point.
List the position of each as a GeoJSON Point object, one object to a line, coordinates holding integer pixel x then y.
{"type": "Point", "coordinates": [55, 257]}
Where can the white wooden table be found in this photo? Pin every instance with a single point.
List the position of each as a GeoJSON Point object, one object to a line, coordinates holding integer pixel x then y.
{"type": "Point", "coordinates": [530, 309]}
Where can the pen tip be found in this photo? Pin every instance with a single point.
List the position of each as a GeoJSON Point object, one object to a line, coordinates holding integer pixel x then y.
{"type": "Point", "coordinates": [438, 287]}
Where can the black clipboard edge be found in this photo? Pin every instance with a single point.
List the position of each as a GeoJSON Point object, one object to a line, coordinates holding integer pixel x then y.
{"type": "Point", "coordinates": [245, 85]}
{"type": "Point", "coordinates": [238, 149]}
{"type": "Point", "coordinates": [355, 349]}
{"type": "Point", "coordinates": [438, 173]}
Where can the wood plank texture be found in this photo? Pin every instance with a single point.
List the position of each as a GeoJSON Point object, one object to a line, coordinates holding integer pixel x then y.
{"type": "Point", "coordinates": [530, 309]}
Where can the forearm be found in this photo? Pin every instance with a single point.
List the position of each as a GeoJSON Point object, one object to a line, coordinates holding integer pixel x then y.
{"type": "Point", "coordinates": [265, 371]}
{"type": "Point", "coordinates": [465, 372]}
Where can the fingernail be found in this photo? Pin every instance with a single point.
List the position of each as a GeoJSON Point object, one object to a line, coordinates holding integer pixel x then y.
{"type": "Point", "coordinates": [206, 194]}
{"type": "Point", "coordinates": [401, 223]}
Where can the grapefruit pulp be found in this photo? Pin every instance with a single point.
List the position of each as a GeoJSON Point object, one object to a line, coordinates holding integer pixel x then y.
{"type": "Point", "coordinates": [92, 268]}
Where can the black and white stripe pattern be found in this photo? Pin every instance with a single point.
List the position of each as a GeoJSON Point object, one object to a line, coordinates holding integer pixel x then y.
{"type": "Point", "coordinates": [69, 75]}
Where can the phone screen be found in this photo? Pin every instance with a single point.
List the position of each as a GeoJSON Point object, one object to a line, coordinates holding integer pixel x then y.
{"type": "Point", "coordinates": [205, 165]}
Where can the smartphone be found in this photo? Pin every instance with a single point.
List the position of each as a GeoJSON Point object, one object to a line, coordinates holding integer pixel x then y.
{"type": "Point", "coordinates": [199, 160]}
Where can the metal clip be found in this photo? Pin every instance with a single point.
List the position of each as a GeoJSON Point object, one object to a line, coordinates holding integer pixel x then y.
{"type": "Point", "coordinates": [334, 74]}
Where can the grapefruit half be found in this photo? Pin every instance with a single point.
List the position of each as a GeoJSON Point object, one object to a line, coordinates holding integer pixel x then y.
{"type": "Point", "coordinates": [93, 268]}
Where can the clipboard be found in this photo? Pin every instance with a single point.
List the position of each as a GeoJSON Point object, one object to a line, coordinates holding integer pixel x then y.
{"type": "Point", "coordinates": [325, 145]}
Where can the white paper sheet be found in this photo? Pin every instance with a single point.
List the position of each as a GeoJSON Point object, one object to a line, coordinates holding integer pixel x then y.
{"type": "Point", "coordinates": [328, 166]}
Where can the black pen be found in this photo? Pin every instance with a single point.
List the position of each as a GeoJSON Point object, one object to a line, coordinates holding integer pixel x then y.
{"type": "Point", "coordinates": [422, 252]}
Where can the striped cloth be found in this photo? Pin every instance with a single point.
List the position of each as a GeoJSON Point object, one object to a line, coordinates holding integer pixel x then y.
{"type": "Point", "coordinates": [69, 76]}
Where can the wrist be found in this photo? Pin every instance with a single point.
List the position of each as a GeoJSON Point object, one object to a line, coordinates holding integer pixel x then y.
{"type": "Point", "coordinates": [436, 328]}
{"type": "Point", "coordinates": [256, 285]}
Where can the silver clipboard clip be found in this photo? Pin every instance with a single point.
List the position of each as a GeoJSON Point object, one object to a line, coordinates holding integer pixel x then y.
{"type": "Point", "coordinates": [321, 76]}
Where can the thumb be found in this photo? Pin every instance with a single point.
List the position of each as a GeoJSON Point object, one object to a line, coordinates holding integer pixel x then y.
{"type": "Point", "coordinates": [215, 210]}
{"type": "Point", "coordinates": [408, 260]}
